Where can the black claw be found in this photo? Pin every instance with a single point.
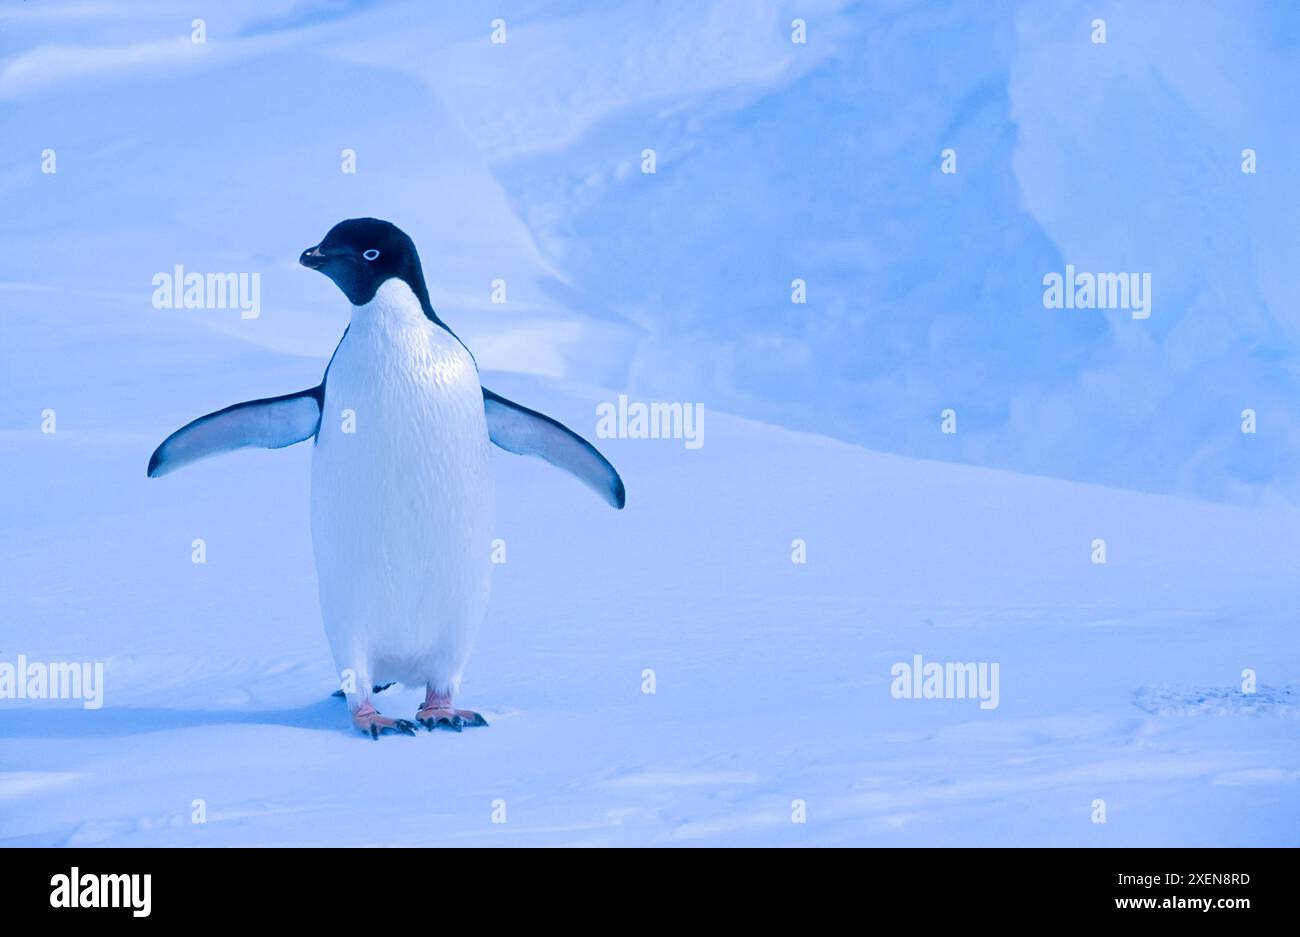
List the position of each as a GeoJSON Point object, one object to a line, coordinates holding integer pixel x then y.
{"type": "Point", "coordinates": [374, 732]}
{"type": "Point", "coordinates": [377, 689]}
{"type": "Point", "coordinates": [455, 722]}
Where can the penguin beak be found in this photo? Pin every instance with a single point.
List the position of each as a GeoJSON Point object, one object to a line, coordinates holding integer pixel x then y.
{"type": "Point", "coordinates": [313, 258]}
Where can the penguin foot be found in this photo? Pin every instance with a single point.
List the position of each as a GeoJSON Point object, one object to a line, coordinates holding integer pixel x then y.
{"type": "Point", "coordinates": [437, 713]}
{"type": "Point", "coordinates": [373, 723]}
{"type": "Point", "coordinates": [454, 719]}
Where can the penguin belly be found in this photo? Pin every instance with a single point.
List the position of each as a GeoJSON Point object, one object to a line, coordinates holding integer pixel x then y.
{"type": "Point", "coordinates": [402, 500]}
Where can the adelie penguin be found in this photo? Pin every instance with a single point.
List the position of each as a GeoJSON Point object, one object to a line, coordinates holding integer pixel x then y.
{"type": "Point", "coordinates": [402, 507]}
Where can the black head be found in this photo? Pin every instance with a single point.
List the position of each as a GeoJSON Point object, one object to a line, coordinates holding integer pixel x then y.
{"type": "Point", "coordinates": [361, 253]}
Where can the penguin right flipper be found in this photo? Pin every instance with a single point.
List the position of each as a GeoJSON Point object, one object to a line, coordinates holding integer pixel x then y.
{"type": "Point", "coordinates": [526, 432]}
{"type": "Point", "coordinates": [271, 423]}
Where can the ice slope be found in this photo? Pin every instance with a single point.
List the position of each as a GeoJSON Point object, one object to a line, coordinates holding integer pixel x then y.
{"type": "Point", "coordinates": [521, 161]}
{"type": "Point", "coordinates": [772, 679]}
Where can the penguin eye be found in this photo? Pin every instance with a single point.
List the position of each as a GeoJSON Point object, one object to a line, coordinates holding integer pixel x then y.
{"type": "Point", "coordinates": [371, 254]}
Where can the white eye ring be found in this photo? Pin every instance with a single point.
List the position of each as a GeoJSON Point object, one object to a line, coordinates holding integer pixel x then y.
{"type": "Point", "coordinates": [371, 254]}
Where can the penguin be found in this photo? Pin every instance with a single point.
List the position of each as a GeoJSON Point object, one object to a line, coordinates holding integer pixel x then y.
{"type": "Point", "coordinates": [402, 496]}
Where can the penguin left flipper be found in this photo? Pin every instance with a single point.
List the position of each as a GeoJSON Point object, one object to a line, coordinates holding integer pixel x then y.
{"type": "Point", "coordinates": [270, 423]}
{"type": "Point", "coordinates": [526, 432]}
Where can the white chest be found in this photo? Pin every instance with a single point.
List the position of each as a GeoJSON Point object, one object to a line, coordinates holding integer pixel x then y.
{"type": "Point", "coordinates": [403, 387]}
{"type": "Point", "coordinates": [402, 491]}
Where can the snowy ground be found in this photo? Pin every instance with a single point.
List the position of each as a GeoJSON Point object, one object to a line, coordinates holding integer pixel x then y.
{"type": "Point", "coordinates": [772, 678]}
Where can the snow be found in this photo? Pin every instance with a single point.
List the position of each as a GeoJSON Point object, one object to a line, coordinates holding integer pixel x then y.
{"type": "Point", "coordinates": [1119, 682]}
{"type": "Point", "coordinates": [772, 678]}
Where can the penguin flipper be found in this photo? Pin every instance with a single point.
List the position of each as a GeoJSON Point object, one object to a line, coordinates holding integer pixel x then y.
{"type": "Point", "coordinates": [270, 423]}
{"type": "Point", "coordinates": [526, 432]}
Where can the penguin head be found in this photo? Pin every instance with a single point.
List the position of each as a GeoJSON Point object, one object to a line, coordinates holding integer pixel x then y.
{"type": "Point", "coordinates": [361, 253]}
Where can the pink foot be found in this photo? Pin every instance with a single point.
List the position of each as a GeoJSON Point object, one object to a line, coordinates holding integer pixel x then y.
{"type": "Point", "coordinates": [438, 712]}
{"type": "Point", "coordinates": [369, 720]}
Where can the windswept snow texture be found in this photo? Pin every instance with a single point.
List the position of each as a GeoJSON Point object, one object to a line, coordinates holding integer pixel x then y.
{"type": "Point", "coordinates": [1123, 686]}
{"type": "Point", "coordinates": [772, 679]}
